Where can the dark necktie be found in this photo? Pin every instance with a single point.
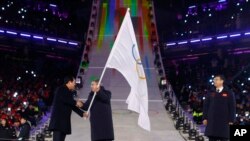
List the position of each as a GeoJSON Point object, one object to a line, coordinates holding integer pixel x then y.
{"type": "Point", "coordinates": [218, 91]}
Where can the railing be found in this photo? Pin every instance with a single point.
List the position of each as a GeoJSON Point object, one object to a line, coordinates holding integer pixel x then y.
{"type": "Point", "coordinates": [172, 105]}
{"type": "Point", "coordinates": [91, 33]}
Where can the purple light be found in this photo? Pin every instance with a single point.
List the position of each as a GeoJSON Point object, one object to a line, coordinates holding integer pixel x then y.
{"type": "Point", "coordinates": [192, 6]}
{"type": "Point", "coordinates": [52, 5]}
{"type": "Point", "coordinates": [222, 37]}
{"type": "Point", "coordinates": [183, 42]}
{"type": "Point", "coordinates": [195, 41]}
{"type": "Point", "coordinates": [222, 0]}
{"type": "Point", "coordinates": [62, 41]}
{"type": "Point", "coordinates": [171, 44]}
{"type": "Point", "coordinates": [38, 37]}
{"type": "Point", "coordinates": [1, 31]}
{"type": "Point", "coordinates": [25, 35]}
{"type": "Point", "coordinates": [235, 35]}
{"type": "Point", "coordinates": [73, 43]}
{"type": "Point", "coordinates": [206, 39]}
{"type": "Point", "coordinates": [10, 32]}
{"type": "Point", "coordinates": [51, 39]}
{"type": "Point", "coordinates": [247, 33]}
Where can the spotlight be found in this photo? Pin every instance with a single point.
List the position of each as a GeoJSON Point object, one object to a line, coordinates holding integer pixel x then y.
{"type": "Point", "coordinates": [199, 138]}
{"type": "Point", "coordinates": [168, 104]}
{"type": "Point", "coordinates": [198, 22]}
{"type": "Point", "coordinates": [22, 17]}
{"type": "Point", "coordinates": [192, 134]}
{"type": "Point", "coordinates": [34, 75]}
{"type": "Point", "coordinates": [26, 71]}
{"type": "Point", "coordinates": [210, 80]}
{"type": "Point", "coordinates": [186, 128]}
{"type": "Point", "coordinates": [19, 12]}
{"type": "Point", "coordinates": [3, 8]}
{"type": "Point", "coordinates": [32, 72]}
{"type": "Point", "coordinates": [248, 79]}
{"type": "Point", "coordinates": [9, 109]}
{"type": "Point", "coordinates": [180, 123]}
{"type": "Point", "coordinates": [203, 97]}
{"type": "Point", "coordinates": [40, 137]}
{"type": "Point", "coordinates": [242, 84]}
{"type": "Point", "coordinates": [44, 19]}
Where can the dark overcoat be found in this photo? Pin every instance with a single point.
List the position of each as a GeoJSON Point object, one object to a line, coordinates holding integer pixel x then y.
{"type": "Point", "coordinates": [63, 105]}
{"type": "Point", "coordinates": [219, 109]}
{"type": "Point", "coordinates": [100, 115]}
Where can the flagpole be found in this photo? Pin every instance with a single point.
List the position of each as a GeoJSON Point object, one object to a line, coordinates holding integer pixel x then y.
{"type": "Point", "coordinates": [92, 100]}
{"type": "Point", "coordinates": [104, 69]}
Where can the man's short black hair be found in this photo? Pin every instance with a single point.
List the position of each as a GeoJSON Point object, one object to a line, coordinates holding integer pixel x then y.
{"type": "Point", "coordinates": [68, 79]}
{"type": "Point", "coordinates": [222, 77]}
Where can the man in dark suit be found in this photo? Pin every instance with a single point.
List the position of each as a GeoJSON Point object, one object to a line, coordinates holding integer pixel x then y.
{"type": "Point", "coordinates": [219, 111]}
{"type": "Point", "coordinates": [63, 105]}
{"type": "Point", "coordinates": [24, 129]}
{"type": "Point", "coordinates": [100, 113]}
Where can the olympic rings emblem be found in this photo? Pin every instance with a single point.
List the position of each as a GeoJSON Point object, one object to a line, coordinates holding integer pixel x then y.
{"type": "Point", "coordinates": [138, 63]}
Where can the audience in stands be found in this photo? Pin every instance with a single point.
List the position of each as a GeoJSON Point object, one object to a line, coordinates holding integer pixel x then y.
{"type": "Point", "coordinates": [193, 21]}
{"type": "Point", "coordinates": [26, 90]}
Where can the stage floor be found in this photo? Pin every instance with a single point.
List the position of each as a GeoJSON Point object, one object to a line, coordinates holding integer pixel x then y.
{"type": "Point", "coordinates": [125, 125]}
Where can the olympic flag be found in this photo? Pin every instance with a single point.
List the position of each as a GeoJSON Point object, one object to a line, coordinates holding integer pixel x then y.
{"type": "Point", "coordinates": [125, 58]}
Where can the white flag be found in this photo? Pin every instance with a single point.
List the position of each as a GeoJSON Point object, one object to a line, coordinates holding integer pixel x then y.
{"type": "Point", "coordinates": [125, 58]}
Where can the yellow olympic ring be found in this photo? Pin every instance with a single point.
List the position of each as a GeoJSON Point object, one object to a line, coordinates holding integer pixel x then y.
{"type": "Point", "coordinates": [137, 69]}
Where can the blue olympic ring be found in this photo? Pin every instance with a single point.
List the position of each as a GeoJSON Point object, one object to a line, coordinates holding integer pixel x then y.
{"type": "Point", "coordinates": [136, 60]}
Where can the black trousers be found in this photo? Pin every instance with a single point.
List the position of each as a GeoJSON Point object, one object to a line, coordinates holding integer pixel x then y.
{"type": "Point", "coordinates": [217, 139]}
{"type": "Point", "coordinates": [58, 136]}
{"type": "Point", "coordinates": [104, 140]}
